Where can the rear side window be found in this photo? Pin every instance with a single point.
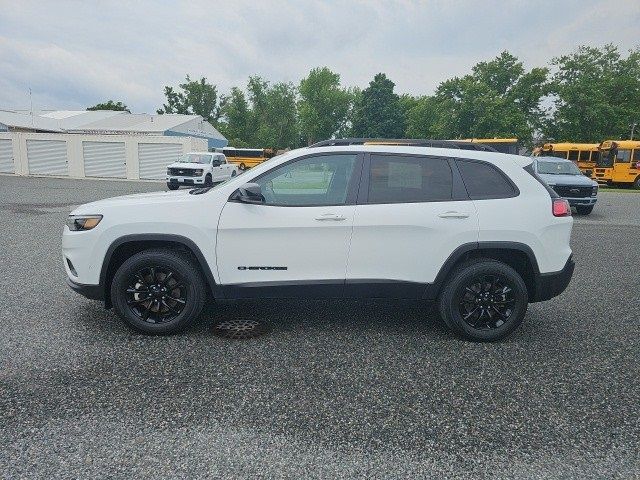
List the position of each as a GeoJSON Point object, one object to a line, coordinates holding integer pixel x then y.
{"type": "Point", "coordinates": [573, 155]}
{"type": "Point", "coordinates": [408, 179]}
{"type": "Point", "coordinates": [484, 181]}
{"type": "Point", "coordinates": [584, 155]}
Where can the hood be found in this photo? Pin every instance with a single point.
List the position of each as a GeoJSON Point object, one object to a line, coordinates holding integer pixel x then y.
{"type": "Point", "coordinates": [189, 166]}
{"type": "Point", "coordinates": [577, 180]}
{"type": "Point", "coordinates": [133, 200]}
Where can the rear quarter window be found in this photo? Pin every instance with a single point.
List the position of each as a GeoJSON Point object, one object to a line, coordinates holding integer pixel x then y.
{"type": "Point", "coordinates": [485, 181]}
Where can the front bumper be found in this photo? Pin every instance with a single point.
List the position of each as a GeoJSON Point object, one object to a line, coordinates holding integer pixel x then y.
{"type": "Point", "coordinates": [92, 292]}
{"type": "Point", "coordinates": [186, 180]}
{"type": "Point", "coordinates": [582, 201]}
{"type": "Point", "coordinates": [549, 285]}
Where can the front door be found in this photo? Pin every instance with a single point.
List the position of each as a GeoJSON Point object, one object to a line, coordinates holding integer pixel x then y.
{"type": "Point", "coordinates": [296, 242]}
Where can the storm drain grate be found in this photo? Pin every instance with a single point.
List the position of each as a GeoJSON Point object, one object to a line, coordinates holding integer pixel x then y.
{"type": "Point", "coordinates": [240, 328]}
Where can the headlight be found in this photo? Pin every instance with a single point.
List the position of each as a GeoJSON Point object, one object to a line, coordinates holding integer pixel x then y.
{"type": "Point", "coordinates": [168, 171]}
{"type": "Point", "coordinates": [83, 222]}
{"type": "Point", "coordinates": [199, 172]}
{"type": "Point", "coordinates": [594, 191]}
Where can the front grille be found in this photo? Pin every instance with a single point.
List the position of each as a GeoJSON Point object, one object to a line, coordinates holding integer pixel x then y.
{"type": "Point", "coordinates": [568, 191]}
{"type": "Point", "coordinates": [183, 172]}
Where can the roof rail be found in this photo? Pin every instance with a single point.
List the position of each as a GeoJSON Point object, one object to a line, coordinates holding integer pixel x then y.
{"type": "Point", "coordinates": [410, 142]}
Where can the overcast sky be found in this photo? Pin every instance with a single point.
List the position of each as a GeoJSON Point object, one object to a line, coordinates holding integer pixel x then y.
{"type": "Point", "coordinates": [75, 54]}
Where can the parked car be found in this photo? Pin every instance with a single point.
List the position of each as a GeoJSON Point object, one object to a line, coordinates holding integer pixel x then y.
{"type": "Point", "coordinates": [477, 232]}
{"type": "Point", "coordinates": [568, 182]}
{"type": "Point", "coordinates": [199, 168]}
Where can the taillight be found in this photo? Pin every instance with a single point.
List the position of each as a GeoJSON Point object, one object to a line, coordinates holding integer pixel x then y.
{"type": "Point", "coordinates": [561, 207]}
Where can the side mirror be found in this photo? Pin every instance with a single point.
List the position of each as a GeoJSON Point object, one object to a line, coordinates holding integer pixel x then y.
{"type": "Point", "coordinates": [249, 193]}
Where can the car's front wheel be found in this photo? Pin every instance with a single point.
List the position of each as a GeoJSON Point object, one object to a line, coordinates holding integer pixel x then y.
{"type": "Point", "coordinates": [483, 300]}
{"type": "Point", "coordinates": [158, 291]}
{"type": "Point", "coordinates": [173, 186]}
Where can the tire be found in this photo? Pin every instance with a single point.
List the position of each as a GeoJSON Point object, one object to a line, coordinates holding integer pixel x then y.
{"type": "Point", "coordinates": [497, 313]}
{"type": "Point", "coordinates": [173, 186]}
{"type": "Point", "coordinates": [243, 167]}
{"type": "Point", "coordinates": [170, 308]}
{"type": "Point", "coordinates": [636, 184]}
{"type": "Point", "coordinates": [208, 180]}
{"type": "Point", "coordinates": [584, 209]}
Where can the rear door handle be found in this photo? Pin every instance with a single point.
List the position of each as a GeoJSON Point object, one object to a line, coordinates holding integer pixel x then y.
{"type": "Point", "coordinates": [330, 217]}
{"type": "Point", "coordinates": [452, 214]}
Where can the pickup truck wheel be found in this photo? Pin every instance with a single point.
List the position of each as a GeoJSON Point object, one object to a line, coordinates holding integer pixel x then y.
{"type": "Point", "coordinates": [484, 300]}
{"type": "Point", "coordinates": [208, 180]}
{"type": "Point", "coordinates": [173, 186]}
{"type": "Point", "coordinates": [636, 184]}
{"type": "Point", "coordinates": [584, 209]}
{"type": "Point", "coordinates": [158, 291]}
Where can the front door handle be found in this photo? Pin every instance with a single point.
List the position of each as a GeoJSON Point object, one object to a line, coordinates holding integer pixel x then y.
{"type": "Point", "coordinates": [331, 217]}
{"type": "Point", "coordinates": [452, 214]}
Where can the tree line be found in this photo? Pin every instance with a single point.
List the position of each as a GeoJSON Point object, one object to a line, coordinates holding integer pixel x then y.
{"type": "Point", "coordinates": [589, 95]}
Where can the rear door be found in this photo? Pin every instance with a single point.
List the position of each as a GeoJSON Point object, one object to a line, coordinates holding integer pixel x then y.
{"type": "Point", "coordinates": [412, 213]}
{"type": "Point", "coordinates": [296, 242]}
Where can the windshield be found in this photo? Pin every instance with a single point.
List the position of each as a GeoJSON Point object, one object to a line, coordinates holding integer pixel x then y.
{"type": "Point", "coordinates": [558, 168]}
{"type": "Point", "coordinates": [194, 158]}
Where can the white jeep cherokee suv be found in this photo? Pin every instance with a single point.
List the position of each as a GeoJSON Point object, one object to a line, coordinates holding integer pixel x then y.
{"type": "Point", "coordinates": [201, 169]}
{"type": "Point", "coordinates": [477, 232]}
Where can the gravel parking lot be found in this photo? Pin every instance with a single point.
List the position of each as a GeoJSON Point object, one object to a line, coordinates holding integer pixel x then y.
{"type": "Point", "coordinates": [337, 389]}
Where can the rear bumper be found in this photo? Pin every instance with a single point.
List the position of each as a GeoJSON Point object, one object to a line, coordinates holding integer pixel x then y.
{"type": "Point", "coordinates": [92, 292]}
{"type": "Point", "coordinates": [549, 285]}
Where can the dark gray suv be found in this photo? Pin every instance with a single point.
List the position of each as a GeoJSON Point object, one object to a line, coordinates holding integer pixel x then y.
{"type": "Point", "coordinates": [568, 182]}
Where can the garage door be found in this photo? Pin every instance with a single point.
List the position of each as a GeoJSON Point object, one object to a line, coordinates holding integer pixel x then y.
{"type": "Point", "coordinates": [6, 157]}
{"type": "Point", "coordinates": [47, 157]}
{"type": "Point", "coordinates": [154, 158]}
{"type": "Point", "coordinates": [104, 159]}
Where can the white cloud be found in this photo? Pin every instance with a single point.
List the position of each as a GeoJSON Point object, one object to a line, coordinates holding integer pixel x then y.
{"type": "Point", "coordinates": [75, 54]}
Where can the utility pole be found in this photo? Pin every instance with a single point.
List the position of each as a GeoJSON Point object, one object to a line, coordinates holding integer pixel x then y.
{"type": "Point", "coordinates": [633, 127]}
{"type": "Point", "coordinates": [31, 103]}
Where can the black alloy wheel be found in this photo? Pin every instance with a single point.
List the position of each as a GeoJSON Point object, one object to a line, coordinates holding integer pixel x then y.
{"type": "Point", "coordinates": [156, 294]}
{"type": "Point", "coordinates": [486, 302]}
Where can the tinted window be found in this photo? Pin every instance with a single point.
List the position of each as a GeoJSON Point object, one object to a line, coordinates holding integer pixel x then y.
{"type": "Point", "coordinates": [559, 154]}
{"type": "Point", "coordinates": [573, 155]}
{"type": "Point", "coordinates": [317, 180]}
{"type": "Point", "coordinates": [483, 180]}
{"type": "Point", "coordinates": [403, 179]}
{"type": "Point", "coordinates": [636, 155]}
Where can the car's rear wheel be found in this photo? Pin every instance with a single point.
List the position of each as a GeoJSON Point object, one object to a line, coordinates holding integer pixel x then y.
{"type": "Point", "coordinates": [584, 209]}
{"type": "Point", "coordinates": [173, 186]}
{"type": "Point", "coordinates": [483, 300]}
{"type": "Point", "coordinates": [158, 291]}
{"type": "Point", "coordinates": [636, 184]}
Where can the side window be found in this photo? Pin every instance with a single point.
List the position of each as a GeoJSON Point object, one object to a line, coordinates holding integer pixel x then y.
{"type": "Point", "coordinates": [559, 154]}
{"type": "Point", "coordinates": [623, 156]}
{"type": "Point", "coordinates": [311, 181]}
{"type": "Point", "coordinates": [573, 155]}
{"type": "Point", "coordinates": [584, 155]}
{"type": "Point", "coordinates": [484, 181]}
{"type": "Point", "coordinates": [636, 155]}
{"type": "Point", "coordinates": [406, 179]}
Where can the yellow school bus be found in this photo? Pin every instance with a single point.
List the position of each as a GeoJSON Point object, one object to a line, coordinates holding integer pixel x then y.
{"type": "Point", "coordinates": [502, 145]}
{"type": "Point", "coordinates": [585, 155]}
{"type": "Point", "coordinates": [247, 157]}
{"type": "Point", "coordinates": [619, 163]}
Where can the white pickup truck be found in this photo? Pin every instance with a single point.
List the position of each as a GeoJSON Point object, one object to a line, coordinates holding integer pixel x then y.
{"type": "Point", "coordinates": [200, 168]}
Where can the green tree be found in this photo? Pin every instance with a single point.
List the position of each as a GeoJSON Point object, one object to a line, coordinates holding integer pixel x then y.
{"type": "Point", "coordinates": [421, 117]}
{"type": "Point", "coordinates": [237, 119]}
{"type": "Point", "coordinates": [498, 99]}
{"type": "Point", "coordinates": [323, 105]}
{"type": "Point", "coordinates": [110, 105]}
{"type": "Point", "coordinates": [194, 97]}
{"type": "Point", "coordinates": [597, 95]}
{"type": "Point", "coordinates": [377, 112]}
